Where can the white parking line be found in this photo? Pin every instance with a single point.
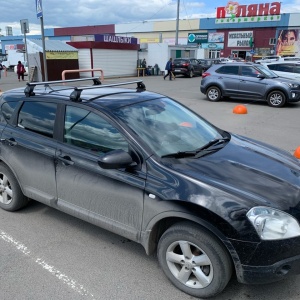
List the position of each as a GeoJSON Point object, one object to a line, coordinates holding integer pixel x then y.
{"type": "Point", "coordinates": [51, 269]}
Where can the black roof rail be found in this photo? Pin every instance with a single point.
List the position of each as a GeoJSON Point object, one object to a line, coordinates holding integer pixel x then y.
{"type": "Point", "coordinates": [29, 90]}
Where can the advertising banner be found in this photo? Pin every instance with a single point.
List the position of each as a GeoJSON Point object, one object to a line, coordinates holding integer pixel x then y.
{"type": "Point", "coordinates": [213, 46]}
{"type": "Point", "coordinates": [239, 38]}
{"type": "Point", "coordinates": [197, 38]}
{"type": "Point", "coordinates": [288, 43]}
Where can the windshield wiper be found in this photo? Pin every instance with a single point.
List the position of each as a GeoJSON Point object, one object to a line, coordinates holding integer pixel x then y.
{"type": "Point", "coordinates": [213, 143]}
{"type": "Point", "coordinates": [181, 154]}
{"type": "Point", "coordinates": [206, 149]}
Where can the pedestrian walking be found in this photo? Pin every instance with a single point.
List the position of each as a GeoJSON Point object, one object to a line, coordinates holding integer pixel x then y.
{"type": "Point", "coordinates": [20, 70]}
{"type": "Point", "coordinates": [169, 69]}
{"type": "Point", "coordinates": [1, 68]}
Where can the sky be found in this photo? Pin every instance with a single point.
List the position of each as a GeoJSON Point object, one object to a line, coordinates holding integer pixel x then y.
{"type": "Point", "coordinates": [70, 13]}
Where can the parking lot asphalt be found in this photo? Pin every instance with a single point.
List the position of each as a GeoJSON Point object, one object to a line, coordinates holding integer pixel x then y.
{"type": "Point", "coordinates": [277, 126]}
{"type": "Point", "coordinates": [49, 254]}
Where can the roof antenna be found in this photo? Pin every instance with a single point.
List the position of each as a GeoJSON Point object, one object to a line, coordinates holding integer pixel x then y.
{"type": "Point", "coordinates": [140, 87]}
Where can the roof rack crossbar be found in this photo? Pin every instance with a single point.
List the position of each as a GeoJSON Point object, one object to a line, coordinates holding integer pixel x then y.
{"type": "Point", "coordinates": [61, 81]}
{"type": "Point", "coordinates": [75, 95]}
{"type": "Point", "coordinates": [29, 90]}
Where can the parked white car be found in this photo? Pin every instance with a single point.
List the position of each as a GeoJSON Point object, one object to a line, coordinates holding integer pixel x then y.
{"type": "Point", "coordinates": [26, 68]}
{"type": "Point", "coordinates": [267, 59]}
{"type": "Point", "coordinates": [290, 58]}
{"type": "Point", "coordinates": [288, 69]}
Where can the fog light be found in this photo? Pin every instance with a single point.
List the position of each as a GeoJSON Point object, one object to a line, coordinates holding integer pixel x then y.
{"type": "Point", "coordinates": [293, 95]}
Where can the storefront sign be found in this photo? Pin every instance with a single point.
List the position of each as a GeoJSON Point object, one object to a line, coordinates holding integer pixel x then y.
{"type": "Point", "coordinates": [233, 12]}
{"type": "Point", "coordinates": [197, 38]}
{"type": "Point", "coordinates": [10, 47]}
{"type": "Point", "coordinates": [213, 46]}
{"type": "Point", "coordinates": [216, 37]}
{"type": "Point", "coordinates": [115, 39]}
{"type": "Point", "coordinates": [239, 38]}
{"type": "Point", "coordinates": [148, 40]}
{"type": "Point", "coordinates": [62, 55]}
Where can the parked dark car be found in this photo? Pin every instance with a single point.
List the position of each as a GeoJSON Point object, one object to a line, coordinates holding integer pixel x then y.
{"type": "Point", "coordinates": [187, 67]}
{"type": "Point", "coordinates": [248, 81]}
{"type": "Point", "coordinates": [140, 164]}
{"type": "Point", "coordinates": [206, 63]}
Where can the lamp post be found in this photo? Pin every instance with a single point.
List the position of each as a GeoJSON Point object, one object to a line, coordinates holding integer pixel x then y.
{"type": "Point", "coordinates": [39, 14]}
{"type": "Point", "coordinates": [25, 29]}
{"type": "Point", "coordinates": [177, 23]}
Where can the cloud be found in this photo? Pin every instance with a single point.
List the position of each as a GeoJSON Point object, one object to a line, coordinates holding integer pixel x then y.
{"type": "Point", "coordinates": [71, 13]}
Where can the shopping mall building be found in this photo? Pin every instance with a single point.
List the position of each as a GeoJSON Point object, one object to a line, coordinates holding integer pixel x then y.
{"type": "Point", "coordinates": [247, 31]}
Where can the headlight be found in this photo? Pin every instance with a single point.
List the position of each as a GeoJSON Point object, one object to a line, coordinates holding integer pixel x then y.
{"type": "Point", "coordinates": [292, 85]}
{"type": "Point", "coordinates": [273, 224]}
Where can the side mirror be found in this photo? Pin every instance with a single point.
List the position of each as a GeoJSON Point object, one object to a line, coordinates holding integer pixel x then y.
{"type": "Point", "coordinates": [261, 76]}
{"type": "Point", "coordinates": [115, 159]}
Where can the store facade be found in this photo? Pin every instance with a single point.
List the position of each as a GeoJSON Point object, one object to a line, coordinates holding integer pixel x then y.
{"type": "Point", "coordinates": [250, 31]}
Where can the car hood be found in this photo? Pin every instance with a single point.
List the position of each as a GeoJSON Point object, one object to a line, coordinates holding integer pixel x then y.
{"type": "Point", "coordinates": [285, 79]}
{"type": "Point", "coordinates": [251, 170]}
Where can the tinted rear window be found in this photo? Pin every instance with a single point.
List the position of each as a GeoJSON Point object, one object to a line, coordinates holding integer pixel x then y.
{"type": "Point", "coordinates": [231, 70]}
{"type": "Point", "coordinates": [180, 61]}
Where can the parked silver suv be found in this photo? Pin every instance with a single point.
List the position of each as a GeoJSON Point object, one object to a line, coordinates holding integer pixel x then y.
{"type": "Point", "coordinates": [248, 81]}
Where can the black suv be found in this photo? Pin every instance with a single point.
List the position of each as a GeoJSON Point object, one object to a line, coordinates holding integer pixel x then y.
{"type": "Point", "coordinates": [212, 204]}
{"type": "Point", "coordinates": [248, 81]}
{"type": "Point", "coordinates": [206, 63]}
{"type": "Point", "coordinates": [187, 67]}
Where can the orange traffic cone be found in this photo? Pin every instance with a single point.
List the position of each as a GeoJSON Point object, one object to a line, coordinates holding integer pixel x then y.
{"type": "Point", "coordinates": [297, 152]}
{"type": "Point", "coordinates": [240, 109]}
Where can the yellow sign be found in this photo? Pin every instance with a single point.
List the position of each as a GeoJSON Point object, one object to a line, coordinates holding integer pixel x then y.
{"type": "Point", "coordinates": [149, 40]}
{"type": "Point", "coordinates": [61, 55]}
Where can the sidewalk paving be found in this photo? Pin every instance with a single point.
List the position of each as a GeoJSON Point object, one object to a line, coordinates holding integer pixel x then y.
{"type": "Point", "coordinates": [11, 81]}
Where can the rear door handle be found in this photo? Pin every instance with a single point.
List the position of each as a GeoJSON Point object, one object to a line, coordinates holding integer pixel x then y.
{"type": "Point", "coordinates": [10, 142]}
{"type": "Point", "coordinates": [66, 160]}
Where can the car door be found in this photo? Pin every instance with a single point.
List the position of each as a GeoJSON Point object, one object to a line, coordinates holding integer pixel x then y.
{"type": "Point", "coordinates": [112, 199]}
{"type": "Point", "coordinates": [227, 77]}
{"type": "Point", "coordinates": [29, 146]}
{"type": "Point", "coordinates": [249, 85]}
{"type": "Point", "coordinates": [197, 66]}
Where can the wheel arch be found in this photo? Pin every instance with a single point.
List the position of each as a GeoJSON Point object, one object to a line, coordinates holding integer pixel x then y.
{"type": "Point", "coordinates": [277, 89]}
{"type": "Point", "coordinates": [215, 85]}
{"type": "Point", "coordinates": [161, 222]}
{"type": "Point", "coordinates": [14, 173]}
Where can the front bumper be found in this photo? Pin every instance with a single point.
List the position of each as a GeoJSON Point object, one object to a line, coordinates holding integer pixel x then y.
{"type": "Point", "coordinates": [272, 273]}
{"type": "Point", "coordinates": [294, 96]}
{"type": "Point", "coordinates": [266, 261]}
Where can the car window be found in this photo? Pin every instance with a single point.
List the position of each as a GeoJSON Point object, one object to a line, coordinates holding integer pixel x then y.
{"type": "Point", "coordinates": [7, 110]}
{"type": "Point", "coordinates": [167, 127]}
{"type": "Point", "coordinates": [273, 67]}
{"type": "Point", "coordinates": [285, 68]}
{"type": "Point", "coordinates": [249, 71]}
{"type": "Point", "coordinates": [231, 70]}
{"type": "Point", "coordinates": [38, 117]}
{"type": "Point", "coordinates": [180, 61]}
{"type": "Point", "coordinates": [87, 130]}
{"type": "Point", "coordinates": [297, 69]}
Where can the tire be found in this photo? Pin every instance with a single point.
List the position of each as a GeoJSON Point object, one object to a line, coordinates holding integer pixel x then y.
{"type": "Point", "coordinates": [191, 73]}
{"type": "Point", "coordinates": [178, 250]}
{"type": "Point", "coordinates": [276, 99]}
{"type": "Point", "coordinates": [11, 196]}
{"type": "Point", "coordinates": [213, 93]}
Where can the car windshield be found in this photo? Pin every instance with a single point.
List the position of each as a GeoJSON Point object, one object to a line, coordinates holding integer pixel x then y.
{"type": "Point", "coordinates": [168, 127]}
{"type": "Point", "coordinates": [266, 71]}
